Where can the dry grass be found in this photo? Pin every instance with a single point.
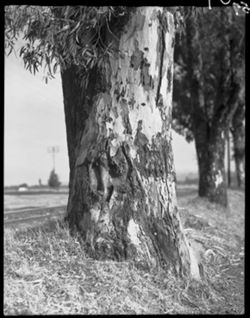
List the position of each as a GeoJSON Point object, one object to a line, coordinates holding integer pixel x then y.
{"type": "Point", "coordinates": [47, 272]}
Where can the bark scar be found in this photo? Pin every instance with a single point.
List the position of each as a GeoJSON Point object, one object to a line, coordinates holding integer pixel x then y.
{"type": "Point", "coordinates": [100, 180]}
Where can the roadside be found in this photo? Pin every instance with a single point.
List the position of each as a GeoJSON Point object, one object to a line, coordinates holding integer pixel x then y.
{"type": "Point", "coordinates": [220, 235]}
{"type": "Point", "coordinates": [47, 272]}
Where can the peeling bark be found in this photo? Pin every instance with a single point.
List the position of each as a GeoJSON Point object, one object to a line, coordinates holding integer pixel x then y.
{"type": "Point", "coordinates": [210, 147]}
{"type": "Point", "coordinates": [122, 198]}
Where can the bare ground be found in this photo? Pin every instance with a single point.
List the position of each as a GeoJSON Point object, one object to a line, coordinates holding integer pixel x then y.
{"type": "Point", "coordinates": [47, 272]}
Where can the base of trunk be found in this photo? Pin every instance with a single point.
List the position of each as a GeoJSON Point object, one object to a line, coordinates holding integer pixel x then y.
{"type": "Point", "coordinates": [140, 224]}
{"type": "Point", "coordinates": [213, 188]}
{"type": "Point", "coordinates": [240, 171]}
{"type": "Point", "coordinates": [210, 147]}
{"type": "Point", "coordinates": [122, 192]}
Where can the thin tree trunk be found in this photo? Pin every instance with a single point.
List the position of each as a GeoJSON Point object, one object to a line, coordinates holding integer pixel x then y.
{"type": "Point", "coordinates": [228, 159]}
{"type": "Point", "coordinates": [238, 132]}
{"type": "Point", "coordinates": [240, 170]}
{"type": "Point", "coordinates": [122, 190]}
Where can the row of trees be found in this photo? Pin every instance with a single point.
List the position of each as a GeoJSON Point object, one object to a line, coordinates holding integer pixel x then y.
{"type": "Point", "coordinates": [209, 90]}
{"type": "Point", "coordinates": [117, 72]}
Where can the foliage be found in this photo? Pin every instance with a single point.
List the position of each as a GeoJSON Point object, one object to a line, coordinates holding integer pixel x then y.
{"type": "Point", "coordinates": [69, 35]}
{"type": "Point", "coordinates": [215, 53]}
{"type": "Point", "coordinates": [53, 181]}
{"type": "Point", "coordinates": [61, 35]}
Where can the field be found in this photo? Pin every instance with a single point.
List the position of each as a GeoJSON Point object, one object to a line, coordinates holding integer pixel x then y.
{"type": "Point", "coordinates": [12, 202]}
{"type": "Point", "coordinates": [47, 272]}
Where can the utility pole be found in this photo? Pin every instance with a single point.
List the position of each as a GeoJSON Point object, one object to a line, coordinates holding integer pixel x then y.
{"type": "Point", "coordinates": [53, 150]}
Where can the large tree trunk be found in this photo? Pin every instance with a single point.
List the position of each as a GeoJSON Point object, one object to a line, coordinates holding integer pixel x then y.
{"type": "Point", "coordinates": [210, 147]}
{"type": "Point", "coordinates": [122, 186]}
{"type": "Point", "coordinates": [238, 132]}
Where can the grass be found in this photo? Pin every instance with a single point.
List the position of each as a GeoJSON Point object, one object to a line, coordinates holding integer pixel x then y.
{"type": "Point", "coordinates": [47, 272]}
{"type": "Point", "coordinates": [35, 200]}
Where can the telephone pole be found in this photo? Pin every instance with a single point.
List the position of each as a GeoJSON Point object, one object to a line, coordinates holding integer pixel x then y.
{"type": "Point", "coordinates": [53, 150]}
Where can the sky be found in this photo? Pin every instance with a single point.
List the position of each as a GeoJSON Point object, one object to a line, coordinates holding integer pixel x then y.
{"type": "Point", "coordinates": [34, 121]}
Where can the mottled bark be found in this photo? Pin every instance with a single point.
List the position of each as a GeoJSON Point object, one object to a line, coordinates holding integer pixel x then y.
{"type": "Point", "coordinates": [122, 194]}
{"type": "Point", "coordinates": [238, 132]}
{"type": "Point", "coordinates": [210, 147]}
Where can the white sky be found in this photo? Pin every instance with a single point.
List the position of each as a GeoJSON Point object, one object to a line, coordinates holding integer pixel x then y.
{"type": "Point", "coordinates": [34, 121]}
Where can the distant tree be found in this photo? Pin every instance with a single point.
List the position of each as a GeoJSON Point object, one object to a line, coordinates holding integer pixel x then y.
{"type": "Point", "coordinates": [238, 133]}
{"type": "Point", "coordinates": [53, 181]}
{"type": "Point", "coordinates": [208, 77]}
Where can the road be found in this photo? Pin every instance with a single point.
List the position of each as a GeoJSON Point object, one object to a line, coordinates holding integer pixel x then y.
{"type": "Point", "coordinates": [32, 216]}
{"type": "Point", "coordinates": [31, 209]}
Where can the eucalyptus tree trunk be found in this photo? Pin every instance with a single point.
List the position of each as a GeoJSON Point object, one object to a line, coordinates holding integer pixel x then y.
{"type": "Point", "coordinates": [208, 126]}
{"type": "Point", "coordinates": [210, 148]}
{"type": "Point", "coordinates": [122, 196]}
{"type": "Point", "coordinates": [238, 132]}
